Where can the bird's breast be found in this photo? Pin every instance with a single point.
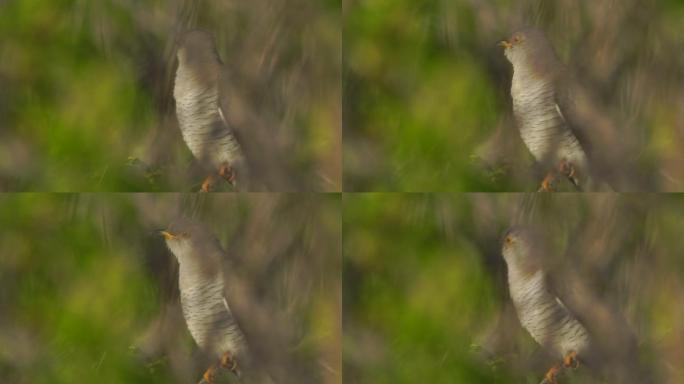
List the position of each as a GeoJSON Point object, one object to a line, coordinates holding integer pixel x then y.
{"type": "Point", "coordinates": [209, 319]}
{"type": "Point", "coordinates": [202, 127]}
{"type": "Point", "coordinates": [544, 316]}
{"type": "Point", "coordinates": [542, 127]}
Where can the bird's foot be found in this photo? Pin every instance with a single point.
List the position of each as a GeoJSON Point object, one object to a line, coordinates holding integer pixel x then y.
{"type": "Point", "coordinates": [209, 376]}
{"type": "Point", "coordinates": [208, 183]}
{"type": "Point", "coordinates": [551, 375]}
{"type": "Point", "coordinates": [228, 173]}
{"type": "Point", "coordinates": [570, 360]}
{"type": "Point", "coordinates": [547, 185]}
{"type": "Point", "coordinates": [229, 363]}
{"type": "Point", "coordinates": [567, 169]}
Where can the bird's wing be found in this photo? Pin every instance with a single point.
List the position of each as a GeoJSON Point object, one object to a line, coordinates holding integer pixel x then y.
{"type": "Point", "coordinates": [269, 157]}
{"type": "Point", "coordinates": [227, 112]}
{"type": "Point", "coordinates": [225, 303]}
{"type": "Point", "coordinates": [263, 352]}
{"type": "Point", "coordinates": [556, 283]}
{"type": "Point", "coordinates": [565, 93]}
{"type": "Point", "coordinates": [566, 98]}
{"type": "Point", "coordinates": [228, 126]}
{"type": "Point", "coordinates": [236, 113]}
{"type": "Point", "coordinates": [223, 118]}
{"type": "Point", "coordinates": [236, 316]}
{"type": "Point", "coordinates": [558, 300]}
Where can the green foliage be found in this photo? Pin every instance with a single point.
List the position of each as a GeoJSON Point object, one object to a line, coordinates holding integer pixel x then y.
{"type": "Point", "coordinates": [86, 86]}
{"type": "Point", "coordinates": [426, 92]}
{"type": "Point", "coordinates": [425, 297]}
{"type": "Point", "coordinates": [88, 288]}
{"type": "Point", "coordinates": [419, 290]}
{"type": "Point", "coordinates": [77, 300]}
{"type": "Point", "coordinates": [78, 109]}
{"type": "Point", "coordinates": [423, 103]}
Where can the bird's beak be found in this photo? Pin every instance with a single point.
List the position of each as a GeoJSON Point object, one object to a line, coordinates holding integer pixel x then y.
{"type": "Point", "coordinates": [168, 235]}
{"type": "Point", "coordinates": [508, 241]}
{"type": "Point", "coordinates": [505, 44]}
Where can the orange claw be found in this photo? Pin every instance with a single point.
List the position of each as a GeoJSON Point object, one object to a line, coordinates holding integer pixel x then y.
{"type": "Point", "coordinates": [209, 376]}
{"type": "Point", "coordinates": [547, 183]}
{"type": "Point", "coordinates": [227, 172]}
{"type": "Point", "coordinates": [550, 377]}
{"type": "Point", "coordinates": [208, 184]}
{"type": "Point", "coordinates": [229, 363]}
{"type": "Point", "coordinates": [566, 168]}
{"type": "Point", "coordinates": [570, 360]}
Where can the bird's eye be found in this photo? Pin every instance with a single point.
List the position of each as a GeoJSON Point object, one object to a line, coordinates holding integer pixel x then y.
{"type": "Point", "coordinates": [509, 240]}
{"type": "Point", "coordinates": [516, 39]}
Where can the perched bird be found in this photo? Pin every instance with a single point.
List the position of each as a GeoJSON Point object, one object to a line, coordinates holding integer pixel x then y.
{"type": "Point", "coordinates": [205, 308]}
{"type": "Point", "coordinates": [197, 91]}
{"type": "Point", "coordinates": [540, 311]}
{"type": "Point", "coordinates": [543, 109]}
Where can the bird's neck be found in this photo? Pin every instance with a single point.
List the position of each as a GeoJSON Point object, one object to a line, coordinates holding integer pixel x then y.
{"type": "Point", "coordinates": [191, 271]}
{"type": "Point", "coordinates": [525, 77]}
{"type": "Point", "coordinates": [194, 88]}
{"type": "Point", "coordinates": [203, 70]}
{"type": "Point", "coordinates": [521, 272]}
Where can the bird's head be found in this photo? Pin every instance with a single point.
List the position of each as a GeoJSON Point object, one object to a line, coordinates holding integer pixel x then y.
{"type": "Point", "coordinates": [178, 239]}
{"type": "Point", "coordinates": [197, 46]}
{"type": "Point", "coordinates": [189, 240]}
{"type": "Point", "coordinates": [528, 46]}
{"type": "Point", "coordinates": [517, 246]}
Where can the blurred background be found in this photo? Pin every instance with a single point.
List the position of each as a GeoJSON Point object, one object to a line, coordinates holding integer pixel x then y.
{"type": "Point", "coordinates": [426, 91]}
{"type": "Point", "coordinates": [86, 91]}
{"type": "Point", "coordinates": [426, 299]}
{"type": "Point", "coordinates": [88, 289]}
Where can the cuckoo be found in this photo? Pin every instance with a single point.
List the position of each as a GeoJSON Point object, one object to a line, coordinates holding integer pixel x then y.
{"type": "Point", "coordinates": [197, 91]}
{"type": "Point", "coordinates": [543, 109]}
{"type": "Point", "coordinates": [205, 308]}
{"type": "Point", "coordinates": [540, 311]}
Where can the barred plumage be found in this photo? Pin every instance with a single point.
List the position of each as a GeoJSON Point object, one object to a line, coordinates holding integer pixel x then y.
{"type": "Point", "coordinates": [540, 121]}
{"type": "Point", "coordinates": [203, 129]}
{"type": "Point", "coordinates": [209, 319]}
{"type": "Point", "coordinates": [540, 311]}
{"type": "Point", "coordinates": [544, 316]}
{"type": "Point", "coordinates": [541, 106]}
{"type": "Point", "coordinates": [201, 283]}
{"type": "Point", "coordinates": [198, 90]}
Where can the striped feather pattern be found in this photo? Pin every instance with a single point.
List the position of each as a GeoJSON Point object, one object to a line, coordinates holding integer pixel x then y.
{"type": "Point", "coordinates": [202, 127]}
{"type": "Point", "coordinates": [542, 127]}
{"type": "Point", "coordinates": [209, 319]}
{"type": "Point", "coordinates": [544, 316]}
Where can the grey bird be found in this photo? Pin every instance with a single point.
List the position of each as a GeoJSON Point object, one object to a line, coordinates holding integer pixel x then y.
{"type": "Point", "coordinates": [540, 311]}
{"type": "Point", "coordinates": [205, 308]}
{"type": "Point", "coordinates": [197, 91]}
{"type": "Point", "coordinates": [543, 109]}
